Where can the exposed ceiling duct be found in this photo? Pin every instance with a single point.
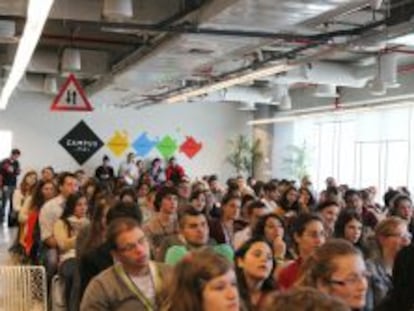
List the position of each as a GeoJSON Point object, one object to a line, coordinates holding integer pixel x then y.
{"type": "Point", "coordinates": [328, 73]}
{"type": "Point", "coordinates": [249, 94]}
{"type": "Point", "coordinates": [216, 44]}
{"type": "Point", "coordinates": [245, 95]}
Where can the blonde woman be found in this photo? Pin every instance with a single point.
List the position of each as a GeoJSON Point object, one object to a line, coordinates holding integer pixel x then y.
{"type": "Point", "coordinates": [391, 235]}
{"type": "Point", "coordinates": [337, 268]}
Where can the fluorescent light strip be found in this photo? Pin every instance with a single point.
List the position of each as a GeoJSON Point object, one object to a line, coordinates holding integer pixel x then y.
{"type": "Point", "coordinates": [231, 82]}
{"type": "Point", "coordinates": [37, 13]}
{"type": "Point", "coordinates": [363, 106]}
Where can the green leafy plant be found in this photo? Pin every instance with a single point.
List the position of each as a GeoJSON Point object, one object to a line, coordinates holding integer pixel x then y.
{"type": "Point", "coordinates": [297, 163]}
{"type": "Point", "coordinates": [244, 155]}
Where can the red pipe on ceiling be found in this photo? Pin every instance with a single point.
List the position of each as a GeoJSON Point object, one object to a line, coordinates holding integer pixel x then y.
{"type": "Point", "coordinates": [86, 39]}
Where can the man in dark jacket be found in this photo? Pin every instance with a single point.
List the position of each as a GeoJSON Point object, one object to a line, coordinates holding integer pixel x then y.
{"type": "Point", "coordinates": [9, 170]}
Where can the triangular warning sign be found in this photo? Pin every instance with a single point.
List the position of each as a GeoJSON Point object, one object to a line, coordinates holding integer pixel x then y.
{"type": "Point", "coordinates": [71, 97]}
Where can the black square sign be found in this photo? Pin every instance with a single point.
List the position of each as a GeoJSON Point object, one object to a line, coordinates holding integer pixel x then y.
{"type": "Point", "coordinates": [81, 142]}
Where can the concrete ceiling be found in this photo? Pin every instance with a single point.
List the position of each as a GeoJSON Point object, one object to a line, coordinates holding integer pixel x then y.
{"type": "Point", "coordinates": [173, 46]}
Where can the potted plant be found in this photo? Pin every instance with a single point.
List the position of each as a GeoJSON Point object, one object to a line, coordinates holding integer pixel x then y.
{"type": "Point", "coordinates": [244, 155]}
{"type": "Point", "coordinates": [297, 163]}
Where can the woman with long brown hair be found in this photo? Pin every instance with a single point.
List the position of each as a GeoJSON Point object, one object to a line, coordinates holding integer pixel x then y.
{"type": "Point", "coordinates": [22, 197]}
{"type": "Point", "coordinates": [254, 269]}
{"type": "Point", "coordinates": [202, 281]}
{"type": "Point", "coordinates": [65, 231]}
{"type": "Point", "coordinates": [44, 191]}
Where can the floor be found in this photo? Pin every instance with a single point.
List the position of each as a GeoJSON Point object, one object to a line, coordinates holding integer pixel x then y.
{"type": "Point", "coordinates": [6, 237]}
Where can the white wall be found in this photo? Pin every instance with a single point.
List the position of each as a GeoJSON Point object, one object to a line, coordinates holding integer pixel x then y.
{"type": "Point", "coordinates": [37, 130]}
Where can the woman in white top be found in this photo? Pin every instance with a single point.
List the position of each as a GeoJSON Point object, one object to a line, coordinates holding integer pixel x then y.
{"type": "Point", "coordinates": [22, 198]}
{"type": "Point", "coordinates": [65, 231]}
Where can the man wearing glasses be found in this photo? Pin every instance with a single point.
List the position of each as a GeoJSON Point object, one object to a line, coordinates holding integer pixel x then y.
{"type": "Point", "coordinates": [133, 282]}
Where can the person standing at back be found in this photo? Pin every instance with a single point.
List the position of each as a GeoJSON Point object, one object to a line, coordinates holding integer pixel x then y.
{"type": "Point", "coordinates": [105, 173]}
{"type": "Point", "coordinates": [9, 170]}
{"type": "Point", "coordinates": [128, 170]}
{"type": "Point", "coordinates": [174, 172]}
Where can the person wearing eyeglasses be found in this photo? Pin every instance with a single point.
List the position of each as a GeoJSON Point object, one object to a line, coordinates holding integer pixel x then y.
{"type": "Point", "coordinates": [133, 283]}
{"type": "Point", "coordinates": [391, 236]}
{"type": "Point", "coordinates": [308, 234]}
{"type": "Point", "coordinates": [337, 268]}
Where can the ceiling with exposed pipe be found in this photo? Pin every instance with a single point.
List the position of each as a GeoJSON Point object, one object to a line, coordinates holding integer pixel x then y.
{"type": "Point", "coordinates": [167, 51]}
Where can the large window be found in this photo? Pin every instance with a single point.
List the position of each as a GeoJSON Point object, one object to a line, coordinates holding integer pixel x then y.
{"type": "Point", "coordinates": [370, 148]}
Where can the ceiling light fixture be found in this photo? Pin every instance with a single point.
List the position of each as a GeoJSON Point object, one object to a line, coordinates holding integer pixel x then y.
{"type": "Point", "coordinates": [326, 91]}
{"type": "Point", "coordinates": [37, 13]}
{"type": "Point", "coordinates": [71, 60]}
{"type": "Point", "coordinates": [324, 111]}
{"type": "Point", "coordinates": [278, 90]}
{"type": "Point", "coordinates": [377, 85]}
{"type": "Point", "coordinates": [117, 9]}
{"type": "Point", "coordinates": [285, 102]}
{"type": "Point", "coordinates": [247, 106]}
{"type": "Point", "coordinates": [285, 99]}
{"type": "Point", "coordinates": [50, 85]}
{"type": "Point", "coordinates": [389, 70]}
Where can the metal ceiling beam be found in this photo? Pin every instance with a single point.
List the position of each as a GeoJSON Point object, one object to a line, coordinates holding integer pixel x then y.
{"type": "Point", "coordinates": [188, 28]}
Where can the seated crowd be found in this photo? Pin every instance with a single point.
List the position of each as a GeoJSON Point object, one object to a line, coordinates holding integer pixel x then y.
{"type": "Point", "coordinates": [159, 241]}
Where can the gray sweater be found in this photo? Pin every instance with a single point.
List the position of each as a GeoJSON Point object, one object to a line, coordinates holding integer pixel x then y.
{"type": "Point", "coordinates": [110, 291]}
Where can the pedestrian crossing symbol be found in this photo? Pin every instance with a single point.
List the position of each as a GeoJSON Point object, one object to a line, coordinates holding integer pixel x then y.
{"type": "Point", "coordinates": [71, 97]}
